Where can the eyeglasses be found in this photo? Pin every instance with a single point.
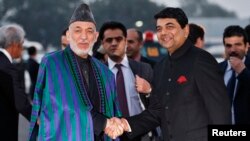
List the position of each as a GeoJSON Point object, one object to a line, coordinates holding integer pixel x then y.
{"type": "Point", "coordinates": [117, 39]}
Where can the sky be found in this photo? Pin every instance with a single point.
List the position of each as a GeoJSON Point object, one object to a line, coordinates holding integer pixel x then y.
{"type": "Point", "coordinates": [241, 7]}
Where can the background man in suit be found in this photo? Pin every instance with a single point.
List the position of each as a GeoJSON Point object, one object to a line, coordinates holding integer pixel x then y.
{"type": "Point", "coordinates": [247, 29]}
{"type": "Point", "coordinates": [134, 45]}
{"type": "Point", "coordinates": [64, 41]}
{"type": "Point", "coordinates": [236, 69]}
{"type": "Point", "coordinates": [188, 90]}
{"type": "Point", "coordinates": [13, 99]}
{"type": "Point", "coordinates": [136, 74]}
{"type": "Point", "coordinates": [196, 35]}
{"type": "Point", "coordinates": [32, 67]}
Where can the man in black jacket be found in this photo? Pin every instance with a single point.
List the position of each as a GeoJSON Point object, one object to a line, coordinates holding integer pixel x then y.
{"type": "Point", "coordinates": [13, 99]}
{"type": "Point", "coordinates": [238, 63]}
{"type": "Point", "coordinates": [32, 67]}
{"type": "Point", "coordinates": [188, 89]}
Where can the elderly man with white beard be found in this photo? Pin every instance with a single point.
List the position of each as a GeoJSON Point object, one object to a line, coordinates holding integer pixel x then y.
{"type": "Point", "coordinates": [75, 94]}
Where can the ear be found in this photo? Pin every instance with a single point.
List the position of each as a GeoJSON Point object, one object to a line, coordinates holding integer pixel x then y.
{"type": "Point", "coordinates": [247, 47]}
{"type": "Point", "coordinates": [68, 35]}
{"type": "Point", "coordinates": [186, 30]}
{"type": "Point", "coordinates": [199, 42]}
{"type": "Point", "coordinates": [141, 44]}
{"type": "Point", "coordinates": [96, 36]}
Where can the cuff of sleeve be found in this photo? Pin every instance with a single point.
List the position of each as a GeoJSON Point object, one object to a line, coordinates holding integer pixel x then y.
{"type": "Point", "coordinates": [149, 93]}
{"type": "Point", "coordinates": [129, 128]}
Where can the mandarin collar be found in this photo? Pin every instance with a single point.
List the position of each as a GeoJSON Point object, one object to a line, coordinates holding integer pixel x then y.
{"type": "Point", "coordinates": [181, 50]}
{"type": "Point", "coordinates": [83, 60]}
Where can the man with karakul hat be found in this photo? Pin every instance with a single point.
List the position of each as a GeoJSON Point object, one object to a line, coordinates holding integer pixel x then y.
{"type": "Point", "coordinates": [75, 94]}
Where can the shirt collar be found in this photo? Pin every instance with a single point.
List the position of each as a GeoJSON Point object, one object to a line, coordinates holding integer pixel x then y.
{"type": "Point", "coordinates": [7, 54]}
{"type": "Point", "coordinates": [124, 62]}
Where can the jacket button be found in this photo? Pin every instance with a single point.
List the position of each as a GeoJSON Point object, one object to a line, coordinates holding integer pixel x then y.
{"type": "Point", "coordinates": [167, 93]}
{"type": "Point", "coordinates": [166, 107]}
{"type": "Point", "coordinates": [169, 79]}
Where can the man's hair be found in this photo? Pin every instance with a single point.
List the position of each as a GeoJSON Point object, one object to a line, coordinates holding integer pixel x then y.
{"type": "Point", "coordinates": [195, 32]}
{"type": "Point", "coordinates": [32, 50]}
{"type": "Point", "coordinates": [10, 34]}
{"type": "Point", "coordinates": [140, 35]}
{"type": "Point", "coordinates": [64, 32]}
{"type": "Point", "coordinates": [235, 30]}
{"type": "Point", "coordinates": [175, 13]}
{"type": "Point", "coordinates": [247, 29]}
{"type": "Point", "coordinates": [112, 25]}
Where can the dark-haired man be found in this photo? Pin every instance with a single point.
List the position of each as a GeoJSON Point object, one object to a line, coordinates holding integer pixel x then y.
{"type": "Point", "coordinates": [247, 29]}
{"type": "Point", "coordinates": [32, 67]}
{"type": "Point", "coordinates": [236, 69]}
{"type": "Point", "coordinates": [133, 88]}
{"type": "Point", "coordinates": [188, 89]}
{"type": "Point", "coordinates": [196, 35]}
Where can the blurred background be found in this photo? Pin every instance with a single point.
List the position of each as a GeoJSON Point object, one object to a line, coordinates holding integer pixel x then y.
{"type": "Point", "coordinates": [45, 20]}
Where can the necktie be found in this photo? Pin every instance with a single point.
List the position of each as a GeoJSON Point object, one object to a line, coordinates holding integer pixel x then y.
{"type": "Point", "coordinates": [231, 85]}
{"type": "Point", "coordinates": [121, 91]}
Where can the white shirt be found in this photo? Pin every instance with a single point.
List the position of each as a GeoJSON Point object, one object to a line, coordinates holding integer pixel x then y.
{"type": "Point", "coordinates": [6, 53]}
{"type": "Point", "coordinates": [133, 99]}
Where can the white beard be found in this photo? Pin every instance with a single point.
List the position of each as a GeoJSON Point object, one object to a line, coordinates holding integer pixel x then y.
{"type": "Point", "coordinates": [78, 51]}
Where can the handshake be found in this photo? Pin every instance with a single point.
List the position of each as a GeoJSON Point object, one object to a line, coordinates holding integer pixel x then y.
{"type": "Point", "coordinates": [116, 127]}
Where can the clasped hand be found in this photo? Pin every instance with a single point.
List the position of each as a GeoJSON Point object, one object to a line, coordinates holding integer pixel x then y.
{"type": "Point", "coordinates": [116, 127]}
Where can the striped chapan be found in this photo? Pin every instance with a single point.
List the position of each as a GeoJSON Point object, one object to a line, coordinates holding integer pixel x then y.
{"type": "Point", "coordinates": [61, 102]}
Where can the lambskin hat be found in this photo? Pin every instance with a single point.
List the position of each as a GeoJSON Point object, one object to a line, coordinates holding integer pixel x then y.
{"type": "Point", "coordinates": [82, 13]}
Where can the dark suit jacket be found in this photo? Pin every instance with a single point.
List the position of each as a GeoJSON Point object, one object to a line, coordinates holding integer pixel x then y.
{"type": "Point", "coordinates": [12, 100]}
{"type": "Point", "coordinates": [32, 67]}
{"type": "Point", "coordinates": [145, 71]}
{"type": "Point", "coordinates": [242, 97]}
{"type": "Point", "coordinates": [188, 94]}
{"type": "Point", "coordinates": [149, 61]}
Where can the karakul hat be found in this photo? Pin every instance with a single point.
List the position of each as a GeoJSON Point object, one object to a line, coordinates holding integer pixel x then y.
{"type": "Point", "coordinates": [82, 13]}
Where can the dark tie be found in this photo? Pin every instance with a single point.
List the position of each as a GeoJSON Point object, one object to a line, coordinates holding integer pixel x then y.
{"type": "Point", "coordinates": [121, 91]}
{"type": "Point", "coordinates": [231, 85]}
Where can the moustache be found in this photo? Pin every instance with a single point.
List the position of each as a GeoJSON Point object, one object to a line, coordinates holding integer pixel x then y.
{"type": "Point", "coordinates": [234, 54]}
